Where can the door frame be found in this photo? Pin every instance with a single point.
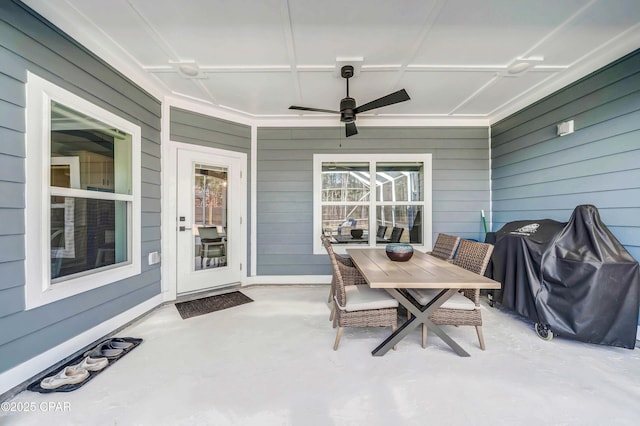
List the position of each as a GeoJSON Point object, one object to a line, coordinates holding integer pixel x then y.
{"type": "Point", "coordinates": [169, 217]}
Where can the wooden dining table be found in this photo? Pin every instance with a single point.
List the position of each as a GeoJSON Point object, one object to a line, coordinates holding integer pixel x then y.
{"type": "Point", "coordinates": [421, 271]}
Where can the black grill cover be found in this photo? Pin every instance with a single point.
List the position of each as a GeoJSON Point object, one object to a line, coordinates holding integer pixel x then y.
{"type": "Point", "coordinates": [575, 276]}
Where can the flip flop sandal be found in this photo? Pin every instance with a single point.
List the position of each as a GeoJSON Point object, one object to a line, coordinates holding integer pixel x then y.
{"type": "Point", "coordinates": [104, 350]}
{"type": "Point", "coordinates": [118, 343]}
{"type": "Point", "coordinates": [92, 364]}
{"type": "Point", "coordinates": [68, 376]}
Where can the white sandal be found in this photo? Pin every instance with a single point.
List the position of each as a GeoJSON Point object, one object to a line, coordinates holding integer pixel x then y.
{"type": "Point", "coordinates": [68, 376]}
{"type": "Point", "coordinates": [91, 364]}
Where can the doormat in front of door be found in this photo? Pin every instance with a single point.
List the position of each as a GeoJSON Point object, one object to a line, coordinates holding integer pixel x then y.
{"type": "Point", "coordinates": [209, 304]}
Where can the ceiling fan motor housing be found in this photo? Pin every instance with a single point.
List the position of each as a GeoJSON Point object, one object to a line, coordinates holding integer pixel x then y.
{"type": "Point", "coordinates": [347, 105]}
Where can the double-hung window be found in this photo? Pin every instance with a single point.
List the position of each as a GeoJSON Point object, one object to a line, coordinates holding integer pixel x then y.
{"type": "Point", "coordinates": [369, 200]}
{"type": "Point", "coordinates": [83, 195]}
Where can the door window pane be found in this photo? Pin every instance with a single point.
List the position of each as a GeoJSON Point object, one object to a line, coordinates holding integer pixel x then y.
{"type": "Point", "coordinates": [210, 216]}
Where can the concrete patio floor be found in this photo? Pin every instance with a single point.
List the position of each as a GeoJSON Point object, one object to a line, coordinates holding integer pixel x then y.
{"type": "Point", "coordinates": [270, 362]}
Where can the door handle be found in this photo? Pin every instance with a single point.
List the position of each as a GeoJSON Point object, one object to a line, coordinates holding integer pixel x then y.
{"type": "Point", "coordinates": [184, 228]}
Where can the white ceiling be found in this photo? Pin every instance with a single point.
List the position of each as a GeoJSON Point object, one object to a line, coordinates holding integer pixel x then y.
{"type": "Point", "coordinates": [254, 58]}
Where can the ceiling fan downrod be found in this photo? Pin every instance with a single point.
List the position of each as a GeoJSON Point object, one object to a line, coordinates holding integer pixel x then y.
{"type": "Point", "coordinates": [347, 72]}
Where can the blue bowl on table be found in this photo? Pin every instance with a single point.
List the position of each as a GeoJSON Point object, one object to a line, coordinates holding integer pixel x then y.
{"type": "Point", "coordinates": [399, 252]}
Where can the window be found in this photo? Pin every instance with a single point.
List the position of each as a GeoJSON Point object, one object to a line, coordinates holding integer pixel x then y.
{"type": "Point", "coordinates": [382, 198]}
{"type": "Point", "coordinates": [83, 195]}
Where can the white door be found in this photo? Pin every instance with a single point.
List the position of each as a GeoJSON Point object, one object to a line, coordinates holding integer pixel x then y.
{"type": "Point", "coordinates": [210, 201]}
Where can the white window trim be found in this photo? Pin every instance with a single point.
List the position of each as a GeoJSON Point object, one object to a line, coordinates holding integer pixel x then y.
{"type": "Point", "coordinates": [38, 288]}
{"type": "Point", "coordinates": [318, 159]}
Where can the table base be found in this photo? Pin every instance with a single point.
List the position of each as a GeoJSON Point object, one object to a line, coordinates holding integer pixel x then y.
{"type": "Point", "coordinates": [420, 315]}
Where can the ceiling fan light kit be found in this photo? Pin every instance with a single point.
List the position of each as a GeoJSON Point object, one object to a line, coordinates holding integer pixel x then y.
{"type": "Point", "coordinates": [348, 108]}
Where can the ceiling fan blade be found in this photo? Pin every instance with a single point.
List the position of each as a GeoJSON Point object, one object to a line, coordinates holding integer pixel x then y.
{"type": "Point", "coordinates": [351, 129]}
{"type": "Point", "coordinates": [313, 109]}
{"type": "Point", "coordinates": [393, 98]}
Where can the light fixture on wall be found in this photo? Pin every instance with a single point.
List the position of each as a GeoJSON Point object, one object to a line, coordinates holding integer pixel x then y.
{"type": "Point", "coordinates": [565, 128]}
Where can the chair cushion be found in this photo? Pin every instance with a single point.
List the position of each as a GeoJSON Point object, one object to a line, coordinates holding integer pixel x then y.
{"type": "Point", "coordinates": [214, 251]}
{"type": "Point", "coordinates": [362, 297]}
{"type": "Point", "coordinates": [457, 301]}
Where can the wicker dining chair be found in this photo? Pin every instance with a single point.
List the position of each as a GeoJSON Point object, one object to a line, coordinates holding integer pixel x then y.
{"type": "Point", "coordinates": [445, 246]}
{"type": "Point", "coordinates": [353, 278]}
{"type": "Point", "coordinates": [462, 308]}
{"type": "Point", "coordinates": [359, 305]}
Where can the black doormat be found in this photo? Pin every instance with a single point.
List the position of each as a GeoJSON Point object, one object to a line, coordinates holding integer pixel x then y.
{"type": "Point", "coordinates": [205, 305]}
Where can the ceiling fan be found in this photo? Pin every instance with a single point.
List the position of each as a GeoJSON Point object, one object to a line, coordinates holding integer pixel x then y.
{"type": "Point", "coordinates": [348, 109]}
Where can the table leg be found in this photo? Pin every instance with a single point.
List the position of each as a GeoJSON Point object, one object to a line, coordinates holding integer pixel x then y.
{"type": "Point", "coordinates": [396, 336]}
{"type": "Point", "coordinates": [445, 337]}
{"type": "Point", "coordinates": [420, 314]}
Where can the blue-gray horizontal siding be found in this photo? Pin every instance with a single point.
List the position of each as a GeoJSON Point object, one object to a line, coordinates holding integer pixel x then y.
{"type": "Point", "coordinates": [285, 185]}
{"type": "Point", "coordinates": [30, 43]}
{"type": "Point", "coordinates": [198, 129]}
{"type": "Point", "coordinates": [537, 174]}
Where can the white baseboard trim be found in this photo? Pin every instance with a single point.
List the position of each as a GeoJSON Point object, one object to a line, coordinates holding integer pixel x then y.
{"type": "Point", "coordinates": [28, 369]}
{"type": "Point", "coordinates": [289, 279]}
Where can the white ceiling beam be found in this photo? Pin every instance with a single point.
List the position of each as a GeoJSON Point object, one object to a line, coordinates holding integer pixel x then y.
{"type": "Point", "coordinates": [287, 28]}
{"type": "Point", "coordinates": [557, 29]}
{"type": "Point", "coordinates": [432, 16]}
{"type": "Point", "coordinates": [155, 35]}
